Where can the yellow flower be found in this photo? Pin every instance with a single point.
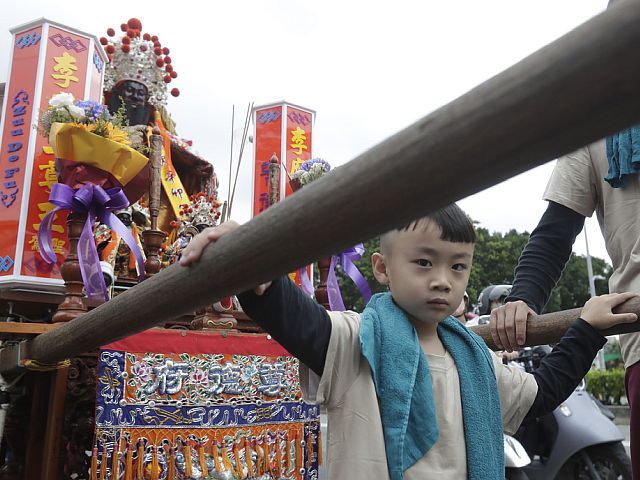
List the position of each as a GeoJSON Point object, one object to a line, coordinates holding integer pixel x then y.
{"type": "Point", "coordinates": [118, 135]}
{"type": "Point", "coordinates": [79, 125]}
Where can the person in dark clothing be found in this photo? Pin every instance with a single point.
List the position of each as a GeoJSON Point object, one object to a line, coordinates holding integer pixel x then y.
{"type": "Point", "coordinates": [601, 178]}
{"type": "Point", "coordinates": [410, 392]}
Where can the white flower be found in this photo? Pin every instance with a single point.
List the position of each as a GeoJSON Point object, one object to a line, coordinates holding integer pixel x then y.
{"type": "Point", "coordinates": [61, 99]}
{"type": "Point", "coordinates": [76, 112]}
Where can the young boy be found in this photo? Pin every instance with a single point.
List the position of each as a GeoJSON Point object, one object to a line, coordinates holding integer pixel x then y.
{"type": "Point", "coordinates": [409, 391]}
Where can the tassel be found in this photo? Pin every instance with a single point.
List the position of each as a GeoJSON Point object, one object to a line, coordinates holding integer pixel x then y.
{"type": "Point", "coordinates": [264, 468]}
{"type": "Point", "coordinates": [309, 450]}
{"type": "Point", "coordinates": [140, 461]}
{"type": "Point", "coordinates": [128, 466]}
{"type": "Point", "coordinates": [247, 457]}
{"type": "Point", "coordinates": [259, 471]}
{"type": "Point", "coordinates": [279, 468]}
{"type": "Point", "coordinates": [155, 467]}
{"type": "Point", "coordinates": [203, 463]}
{"type": "Point", "coordinates": [94, 463]}
{"type": "Point", "coordinates": [171, 470]}
{"type": "Point", "coordinates": [103, 464]}
{"type": "Point", "coordinates": [267, 449]}
{"type": "Point", "coordinates": [236, 456]}
{"type": "Point", "coordinates": [226, 460]}
{"type": "Point", "coordinates": [298, 442]}
{"type": "Point", "coordinates": [216, 456]}
{"type": "Point", "coordinates": [319, 448]}
{"type": "Point", "coordinates": [115, 461]}
{"type": "Point", "coordinates": [287, 452]}
{"type": "Point", "coordinates": [188, 465]}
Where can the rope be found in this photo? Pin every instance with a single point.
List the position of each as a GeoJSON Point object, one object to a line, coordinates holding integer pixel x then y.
{"type": "Point", "coordinates": [44, 367]}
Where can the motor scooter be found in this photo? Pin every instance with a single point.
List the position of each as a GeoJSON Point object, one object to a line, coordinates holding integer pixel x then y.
{"type": "Point", "coordinates": [578, 440]}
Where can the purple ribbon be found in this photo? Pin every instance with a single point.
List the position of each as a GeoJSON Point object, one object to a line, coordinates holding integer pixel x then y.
{"type": "Point", "coordinates": [305, 282]}
{"type": "Point", "coordinates": [345, 260]}
{"type": "Point", "coordinates": [99, 204]}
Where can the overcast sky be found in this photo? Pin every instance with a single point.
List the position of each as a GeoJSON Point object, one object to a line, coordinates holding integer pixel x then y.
{"type": "Point", "coordinates": [367, 68]}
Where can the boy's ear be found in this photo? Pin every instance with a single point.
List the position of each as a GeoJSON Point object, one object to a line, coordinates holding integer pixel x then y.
{"type": "Point", "coordinates": [379, 268]}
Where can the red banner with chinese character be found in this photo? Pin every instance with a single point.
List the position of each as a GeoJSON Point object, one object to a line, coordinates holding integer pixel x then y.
{"type": "Point", "coordinates": [45, 59]}
{"type": "Point", "coordinates": [299, 136]}
{"type": "Point", "coordinates": [68, 59]}
{"type": "Point", "coordinates": [287, 131]}
{"type": "Point", "coordinates": [267, 141]}
{"type": "Point", "coordinates": [18, 118]}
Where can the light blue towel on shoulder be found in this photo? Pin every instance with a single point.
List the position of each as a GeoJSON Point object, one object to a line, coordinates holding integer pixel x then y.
{"type": "Point", "coordinates": [403, 384]}
{"type": "Point", "coordinates": [623, 155]}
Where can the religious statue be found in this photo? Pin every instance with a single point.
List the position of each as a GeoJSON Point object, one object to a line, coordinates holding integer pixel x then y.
{"type": "Point", "coordinates": [136, 81]}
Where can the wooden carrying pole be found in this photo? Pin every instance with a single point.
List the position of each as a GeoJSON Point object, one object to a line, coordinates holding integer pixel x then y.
{"type": "Point", "coordinates": [576, 90]}
{"type": "Point", "coordinates": [549, 328]}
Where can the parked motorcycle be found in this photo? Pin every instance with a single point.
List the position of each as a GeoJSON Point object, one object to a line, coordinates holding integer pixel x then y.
{"type": "Point", "coordinates": [578, 440]}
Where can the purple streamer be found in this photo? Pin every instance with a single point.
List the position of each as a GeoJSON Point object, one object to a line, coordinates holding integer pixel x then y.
{"type": "Point", "coordinates": [305, 282]}
{"type": "Point", "coordinates": [99, 204]}
{"type": "Point", "coordinates": [346, 260]}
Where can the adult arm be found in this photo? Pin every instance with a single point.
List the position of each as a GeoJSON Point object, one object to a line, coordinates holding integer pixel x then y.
{"type": "Point", "coordinates": [539, 268]}
{"type": "Point", "coordinates": [562, 370]}
{"type": "Point", "coordinates": [545, 256]}
{"type": "Point", "coordinates": [297, 322]}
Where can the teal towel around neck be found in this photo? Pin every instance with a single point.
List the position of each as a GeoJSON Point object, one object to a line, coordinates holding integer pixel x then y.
{"type": "Point", "coordinates": [623, 155]}
{"type": "Point", "coordinates": [400, 372]}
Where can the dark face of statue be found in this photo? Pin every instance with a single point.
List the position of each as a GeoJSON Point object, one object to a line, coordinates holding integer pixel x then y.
{"type": "Point", "coordinates": [133, 92]}
{"type": "Point", "coordinates": [134, 96]}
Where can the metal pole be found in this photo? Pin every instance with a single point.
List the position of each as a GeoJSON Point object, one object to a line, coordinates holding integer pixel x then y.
{"type": "Point", "coordinates": [592, 290]}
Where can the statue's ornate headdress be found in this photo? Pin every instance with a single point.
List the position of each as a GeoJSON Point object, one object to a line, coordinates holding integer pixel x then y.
{"type": "Point", "coordinates": [141, 58]}
{"type": "Point", "coordinates": [202, 211]}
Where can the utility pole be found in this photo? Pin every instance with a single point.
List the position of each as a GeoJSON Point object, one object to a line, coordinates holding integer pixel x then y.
{"type": "Point", "coordinates": [592, 291]}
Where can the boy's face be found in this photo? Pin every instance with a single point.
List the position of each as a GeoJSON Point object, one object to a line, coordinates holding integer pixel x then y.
{"type": "Point", "coordinates": [427, 276]}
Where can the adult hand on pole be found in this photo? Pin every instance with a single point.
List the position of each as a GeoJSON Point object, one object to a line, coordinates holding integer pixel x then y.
{"type": "Point", "coordinates": [508, 325]}
{"type": "Point", "coordinates": [196, 246]}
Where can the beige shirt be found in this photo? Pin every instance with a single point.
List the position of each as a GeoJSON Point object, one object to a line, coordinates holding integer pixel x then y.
{"type": "Point", "coordinates": [577, 182]}
{"type": "Point", "coordinates": [355, 442]}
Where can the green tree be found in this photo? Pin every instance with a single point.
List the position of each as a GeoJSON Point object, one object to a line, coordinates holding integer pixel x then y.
{"type": "Point", "coordinates": [350, 293]}
{"type": "Point", "coordinates": [572, 290]}
{"type": "Point", "coordinates": [495, 257]}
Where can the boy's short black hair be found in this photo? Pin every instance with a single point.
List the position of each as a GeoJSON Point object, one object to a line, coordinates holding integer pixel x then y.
{"type": "Point", "coordinates": [456, 226]}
